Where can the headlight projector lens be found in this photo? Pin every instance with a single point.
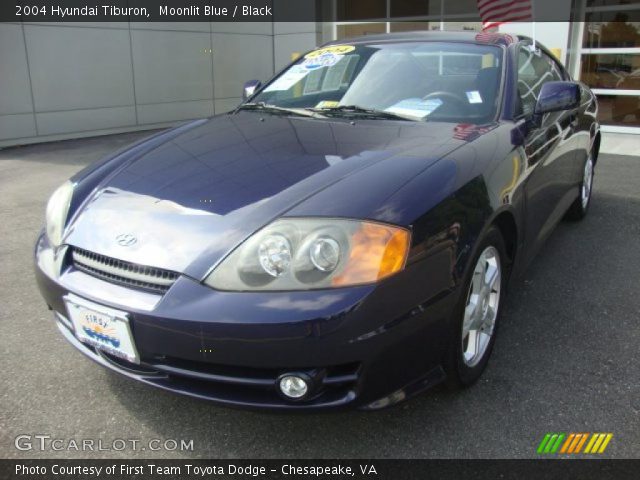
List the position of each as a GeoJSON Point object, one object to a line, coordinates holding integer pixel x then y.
{"type": "Point", "coordinates": [274, 254]}
{"type": "Point", "coordinates": [325, 254]}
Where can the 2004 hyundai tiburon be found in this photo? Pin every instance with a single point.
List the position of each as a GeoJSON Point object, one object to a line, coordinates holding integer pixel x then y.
{"type": "Point", "coordinates": [343, 238]}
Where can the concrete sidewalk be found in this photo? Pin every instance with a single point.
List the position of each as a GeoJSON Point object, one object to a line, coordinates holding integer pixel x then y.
{"type": "Point", "coordinates": [620, 144]}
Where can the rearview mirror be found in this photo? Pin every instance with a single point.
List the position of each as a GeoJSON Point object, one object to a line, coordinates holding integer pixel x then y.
{"type": "Point", "coordinates": [556, 96]}
{"type": "Point", "coordinates": [250, 88]}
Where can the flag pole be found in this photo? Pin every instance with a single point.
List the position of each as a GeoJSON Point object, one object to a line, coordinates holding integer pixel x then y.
{"type": "Point", "coordinates": [533, 26]}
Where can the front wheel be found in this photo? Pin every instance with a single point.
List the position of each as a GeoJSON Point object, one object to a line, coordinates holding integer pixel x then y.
{"type": "Point", "coordinates": [476, 316]}
{"type": "Point", "coordinates": [579, 208]}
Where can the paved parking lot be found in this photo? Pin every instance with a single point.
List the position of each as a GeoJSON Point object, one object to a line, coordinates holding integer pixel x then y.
{"type": "Point", "coordinates": [567, 357]}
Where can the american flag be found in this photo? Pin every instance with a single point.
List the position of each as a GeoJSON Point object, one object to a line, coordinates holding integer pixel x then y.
{"type": "Point", "coordinates": [497, 12]}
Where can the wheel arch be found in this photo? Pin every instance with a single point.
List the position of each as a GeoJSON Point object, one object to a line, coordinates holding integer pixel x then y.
{"type": "Point", "coordinates": [596, 147]}
{"type": "Point", "coordinates": [506, 223]}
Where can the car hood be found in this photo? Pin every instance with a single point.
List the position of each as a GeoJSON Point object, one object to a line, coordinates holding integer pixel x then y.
{"type": "Point", "coordinates": [192, 199]}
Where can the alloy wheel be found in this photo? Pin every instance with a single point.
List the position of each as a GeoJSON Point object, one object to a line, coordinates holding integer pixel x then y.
{"type": "Point", "coordinates": [481, 311]}
{"type": "Point", "coordinates": [587, 182]}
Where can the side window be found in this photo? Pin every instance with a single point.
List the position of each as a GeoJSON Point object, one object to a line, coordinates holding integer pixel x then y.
{"type": "Point", "coordinates": [534, 69]}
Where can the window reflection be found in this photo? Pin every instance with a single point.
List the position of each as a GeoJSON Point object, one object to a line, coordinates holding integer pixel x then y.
{"type": "Point", "coordinates": [621, 110]}
{"type": "Point", "coordinates": [607, 3]}
{"type": "Point", "coordinates": [461, 7]}
{"type": "Point", "coordinates": [411, 8]}
{"type": "Point", "coordinates": [470, 25]}
{"type": "Point", "coordinates": [413, 26]}
{"type": "Point", "coordinates": [610, 70]}
{"type": "Point", "coordinates": [610, 30]}
{"type": "Point", "coordinates": [358, 29]}
{"type": "Point", "coordinates": [353, 10]}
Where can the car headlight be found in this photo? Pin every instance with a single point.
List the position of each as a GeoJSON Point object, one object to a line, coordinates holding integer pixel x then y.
{"type": "Point", "coordinates": [311, 253]}
{"type": "Point", "coordinates": [57, 210]}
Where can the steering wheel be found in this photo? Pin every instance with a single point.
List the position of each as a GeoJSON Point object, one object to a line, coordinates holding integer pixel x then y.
{"type": "Point", "coordinates": [450, 96]}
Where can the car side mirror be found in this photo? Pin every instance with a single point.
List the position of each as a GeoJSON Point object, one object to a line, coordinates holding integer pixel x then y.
{"type": "Point", "coordinates": [250, 88]}
{"type": "Point", "coordinates": [557, 96]}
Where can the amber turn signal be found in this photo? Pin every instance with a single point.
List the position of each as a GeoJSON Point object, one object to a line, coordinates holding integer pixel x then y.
{"type": "Point", "coordinates": [377, 251]}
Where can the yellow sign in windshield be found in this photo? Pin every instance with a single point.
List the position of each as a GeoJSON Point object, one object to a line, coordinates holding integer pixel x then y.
{"type": "Point", "coordinates": [335, 49]}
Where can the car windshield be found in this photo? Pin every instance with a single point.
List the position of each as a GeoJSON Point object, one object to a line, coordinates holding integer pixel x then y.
{"type": "Point", "coordinates": [420, 81]}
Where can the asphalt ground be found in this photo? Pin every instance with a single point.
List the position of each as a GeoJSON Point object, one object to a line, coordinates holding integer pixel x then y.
{"type": "Point", "coordinates": [566, 358]}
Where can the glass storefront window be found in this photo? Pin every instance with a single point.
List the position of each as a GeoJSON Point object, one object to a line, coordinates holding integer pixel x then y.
{"type": "Point", "coordinates": [411, 8]}
{"type": "Point", "coordinates": [354, 10]}
{"type": "Point", "coordinates": [344, 30]}
{"type": "Point", "coordinates": [413, 26]}
{"type": "Point", "coordinates": [616, 33]}
{"type": "Point", "coordinates": [619, 110]}
{"type": "Point", "coordinates": [470, 25]}
{"type": "Point", "coordinates": [611, 70]}
{"type": "Point", "coordinates": [358, 29]}
{"type": "Point", "coordinates": [609, 3]}
{"type": "Point", "coordinates": [465, 7]}
{"type": "Point", "coordinates": [610, 59]}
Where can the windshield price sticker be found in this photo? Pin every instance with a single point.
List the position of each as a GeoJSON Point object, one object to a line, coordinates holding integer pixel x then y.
{"type": "Point", "coordinates": [324, 60]}
{"type": "Point", "coordinates": [415, 107]}
{"type": "Point", "coordinates": [334, 50]}
{"type": "Point", "coordinates": [288, 79]}
{"type": "Point", "coordinates": [474, 96]}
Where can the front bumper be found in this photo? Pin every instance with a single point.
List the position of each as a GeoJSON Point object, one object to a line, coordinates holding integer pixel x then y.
{"type": "Point", "coordinates": [366, 346]}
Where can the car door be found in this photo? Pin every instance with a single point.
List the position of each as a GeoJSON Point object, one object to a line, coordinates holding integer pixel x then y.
{"type": "Point", "coordinates": [549, 145]}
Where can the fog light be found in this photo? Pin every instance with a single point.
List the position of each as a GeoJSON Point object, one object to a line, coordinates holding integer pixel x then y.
{"type": "Point", "coordinates": [293, 386]}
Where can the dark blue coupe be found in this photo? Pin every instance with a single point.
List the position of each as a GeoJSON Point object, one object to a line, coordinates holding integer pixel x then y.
{"type": "Point", "coordinates": [345, 237]}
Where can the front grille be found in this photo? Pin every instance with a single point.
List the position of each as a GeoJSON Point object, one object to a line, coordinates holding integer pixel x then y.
{"type": "Point", "coordinates": [124, 273]}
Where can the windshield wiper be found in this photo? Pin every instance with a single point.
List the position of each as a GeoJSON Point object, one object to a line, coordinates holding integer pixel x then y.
{"type": "Point", "coordinates": [275, 109]}
{"type": "Point", "coordinates": [357, 110]}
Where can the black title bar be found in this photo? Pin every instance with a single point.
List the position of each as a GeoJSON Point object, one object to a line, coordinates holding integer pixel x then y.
{"type": "Point", "coordinates": [158, 11]}
{"type": "Point", "coordinates": [283, 11]}
{"type": "Point", "coordinates": [320, 469]}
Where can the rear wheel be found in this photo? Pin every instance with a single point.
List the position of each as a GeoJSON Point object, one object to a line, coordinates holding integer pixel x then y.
{"type": "Point", "coordinates": [478, 312]}
{"type": "Point", "coordinates": [579, 208]}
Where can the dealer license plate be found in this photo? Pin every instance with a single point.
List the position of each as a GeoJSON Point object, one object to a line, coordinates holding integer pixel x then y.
{"type": "Point", "coordinates": [102, 327]}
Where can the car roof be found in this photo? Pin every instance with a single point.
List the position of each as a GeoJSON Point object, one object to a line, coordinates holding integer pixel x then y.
{"type": "Point", "coordinates": [433, 36]}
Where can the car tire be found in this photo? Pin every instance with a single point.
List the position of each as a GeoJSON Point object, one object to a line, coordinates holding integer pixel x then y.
{"type": "Point", "coordinates": [580, 207]}
{"type": "Point", "coordinates": [462, 366]}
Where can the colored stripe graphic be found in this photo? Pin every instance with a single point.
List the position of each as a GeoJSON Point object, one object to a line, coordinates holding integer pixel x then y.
{"type": "Point", "coordinates": [565, 447]}
{"type": "Point", "coordinates": [556, 445]}
{"type": "Point", "coordinates": [598, 443]}
{"type": "Point", "coordinates": [572, 443]}
{"type": "Point", "coordinates": [607, 439]}
{"type": "Point", "coordinates": [581, 442]}
{"type": "Point", "coordinates": [591, 442]}
{"type": "Point", "coordinates": [543, 443]}
{"type": "Point", "coordinates": [551, 442]}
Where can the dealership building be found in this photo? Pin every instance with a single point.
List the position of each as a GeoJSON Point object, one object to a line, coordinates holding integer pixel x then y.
{"type": "Point", "coordinates": [70, 80]}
